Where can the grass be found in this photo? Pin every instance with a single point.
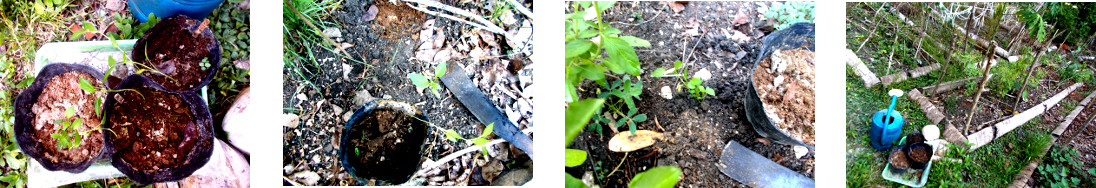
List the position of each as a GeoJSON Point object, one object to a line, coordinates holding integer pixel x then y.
{"type": "Point", "coordinates": [993, 165]}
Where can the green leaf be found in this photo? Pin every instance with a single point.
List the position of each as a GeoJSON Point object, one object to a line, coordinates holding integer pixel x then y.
{"type": "Point", "coordinates": [479, 141]}
{"type": "Point", "coordinates": [577, 115]}
{"type": "Point", "coordinates": [573, 182]}
{"type": "Point", "coordinates": [636, 41]}
{"type": "Point", "coordinates": [658, 177]}
{"type": "Point", "coordinates": [25, 82]}
{"type": "Point", "coordinates": [622, 57]}
{"type": "Point", "coordinates": [577, 47]}
{"type": "Point", "coordinates": [452, 135]}
{"type": "Point", "coordinates": [632, 127]}
{"type": "Point", "coordinates": [419, 80]}
{"type": "Point", "coordinates": [98, 106]}
{"type": "Point", "coordinates": [709, 91]}
{"type": "Point", "coordinates": [659, 72]}
{"type": "Point", "coordinates": [86, 86]}
{"type": "Point", "coordinates": [640, 118]}
{"type": "Point", "coordinates": [76, 123]}
{"type": "Point", "coordinates": [590, 71]}
{"type": "Point", "coordinates": [487, 130]}
{"type": "Point", "coordinates": [574, 157]}
{"type": "Point", "coordinates": [678, 65]}
{"type": "Point", "coordinates": [69, 112]}
{"type": "Point", "coordinates": [439, 71]}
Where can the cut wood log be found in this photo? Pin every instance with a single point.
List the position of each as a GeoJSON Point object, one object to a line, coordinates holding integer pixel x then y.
{"type": "Point", "coordinates": [988, 134]}
{"type": "Point", "coordinates": [951, 134]}
{"type": "Point", "coordinates": [930, 110]}
{"type": "Point", "coordinates": [905, 75]}
{"type": "Point", "coordinates": [947, 86]}
{"type": "Point", "coordinates": [1072, 115]}
{"type": "Point", "coordinates": [860, 69]}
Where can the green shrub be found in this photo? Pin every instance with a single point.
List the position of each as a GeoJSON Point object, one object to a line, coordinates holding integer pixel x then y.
{"type": "Point", "coordinates": [791, 12]}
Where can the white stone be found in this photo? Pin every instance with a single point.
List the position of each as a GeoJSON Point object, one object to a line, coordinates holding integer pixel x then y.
{"type": "Point", "coordinates": [703, 74]}
{"type": "Point", "coordinates": [361, 97]}
{"type": "Point", "coordinates": [800, 151]}
{"type": "Point", "coordinates": [307, 177]}
{"type": "Point", "coordinates": [931, 132]}
{"type": "Point", "coordinates": [346, 71]}
{"type": "Point", "coordinates": [666, 93]}
{"type": "Point", "coordinates": [333, 32]}
{"type": "Point", "coordinates": [291, 120]}
{"type": "Point", "coordinates": [778, 80]}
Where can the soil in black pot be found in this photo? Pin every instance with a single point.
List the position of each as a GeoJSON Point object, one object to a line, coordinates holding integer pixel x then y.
{"type": "Point", "coordinates": [898, 158]}
{"type": "Point", "coordinates": [154, 129]}
{"type": "Point", "coordinates": [785, 84]}
{"type": "Point", "coordinates": [176, 52]}
{"type": "Point", "coordinates": [920, 154]}
{"type": "Point", "coordinates": [62, 92]}
{"type": "Point", "coordinates": [915, 138]}
{"type": "Point", "coordinates": [386, 145]}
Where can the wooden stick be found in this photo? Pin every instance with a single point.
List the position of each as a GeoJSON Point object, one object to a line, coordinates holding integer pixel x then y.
{"type": "Point", "coordinates": [486, 24]}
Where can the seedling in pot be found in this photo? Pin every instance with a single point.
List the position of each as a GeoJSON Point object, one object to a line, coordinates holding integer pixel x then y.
{"type": "Point", "coordinates": [69, 136]}
{"type": "Point", "coordinates": [421, 81]}
{"type": "Point", "coordinates": [111, 62]}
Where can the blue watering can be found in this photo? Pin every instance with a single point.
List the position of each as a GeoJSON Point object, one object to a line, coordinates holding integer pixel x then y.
{"type": "Point", "coordinates": [197, 9]}
{"type": "Point", "coordinates": [886, 125]}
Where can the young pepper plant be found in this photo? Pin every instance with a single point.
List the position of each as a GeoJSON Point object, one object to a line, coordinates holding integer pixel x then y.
{"type": "Point", "coordinates": [421, 81]}
{"type": "Point", "coordinates": [694, 85]}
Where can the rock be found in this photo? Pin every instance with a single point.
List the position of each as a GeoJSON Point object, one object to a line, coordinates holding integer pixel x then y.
{"type": "Point", "coordinates": [307, 177]}
{"type": "Point", "coordinates": [346, 71]}
{"type": "Point", "coordinates": [666, 93]}
{"type": "Point", "coordinates": [738, 56]}
{"type": "Point", "coordinates": [337, 109]}
{"type": "Point", "coordinates": [332, 32]}
{"type": "Point", "coordinates": [116, 5]}
{"type": "Point", "coordinates": [347, 115]}
{"type": "Point", "coordinates": [316, 159]}
{"type": "Point", "coordinates": [387, 97]}
{"type": "Point", "coordinates": [515, 177]}
{"type": "Point", "coordinates": [292, 120]}
{"type": "Point", "coordinates": [703, 74]}
{"type": "Point", "coordinates": [800, 151]}
{"type": "Point", "coordinates": [301, 96]}
{"type": "Point", "coordinates": [778, 61]}
{"type": "Point", "coordinates": [361, 97]}
{"type": "Point", "coordinates": [739, 37]}
{"type": "Point", "coordinates": [778, 80]}
{"type": "Point", "coordinates": [288, 168]}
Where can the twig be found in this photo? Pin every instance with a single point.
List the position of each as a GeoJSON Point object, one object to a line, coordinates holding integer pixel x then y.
{"type": "Point", "coordinates": [291, 182]}
{"type": "Point", "coordinates": [486, 25]}
{"type": "Point", "coordinates": [619, 164]}
{"type": "Point", "coordinates": [521, 8]}
{"type": "Point", "coordinates": [873, 29]}
{"type": "Point", "coordinates": [461, 152]}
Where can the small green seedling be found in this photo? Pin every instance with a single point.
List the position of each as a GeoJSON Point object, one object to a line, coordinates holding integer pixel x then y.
{"type": "Point", "coordinates": [481, 141]}
{"type": "Point", "coordinates": [421, 81]}
{"type": "Point", "coordinates": [631, 118]}
{"type": "Point", "coordinates": [70, 136]}
{"type": "Point", "coordinates": [694, 85]}
{"type": "Point", "coordinates": [699, 91]}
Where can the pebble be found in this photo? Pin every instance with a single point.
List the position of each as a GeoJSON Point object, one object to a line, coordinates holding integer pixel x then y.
{"type": "Point", "coordinates": [307, 177]}
{"type": "Point", "coordinates": [316, 159]}
{"type": "Point", "coordinates": [333, 32]}
{"type": "Point", "coordinates": [361, 97]}
{"type": "Point", "coordinates": [287, 168]}
{"type": "Point", "coordinates": [292, 120]}
{"type": "Point", "coordinates": [779, 79]}
{"type": "Point", "coordinates": [387, 97]}
{"type": "Point", "coordinates": [666, 93]}
{"type": "Point", "coordinates": [738, 56]}
{"type": "Point", "coordinates": [800, 151]}
{"type": "Point", "coordinates": [337, 109]}
{"type": "Point", "coordinates": [703, 74]}
{"type": "Point", "coordinates": [347, 115]}
{"type": "Point", "coordinates": [346, 71]}
{"type": "Point", "coordinates": [302, 97]}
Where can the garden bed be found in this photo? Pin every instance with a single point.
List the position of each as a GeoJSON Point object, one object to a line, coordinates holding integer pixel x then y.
{"type": "Point", "coordinates": [323, 87]}
{"type": "Point", "coordinates": [695, 130]}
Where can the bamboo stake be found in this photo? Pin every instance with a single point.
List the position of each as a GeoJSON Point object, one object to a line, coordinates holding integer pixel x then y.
{"type": "Point", "coordinates": [985, 72]}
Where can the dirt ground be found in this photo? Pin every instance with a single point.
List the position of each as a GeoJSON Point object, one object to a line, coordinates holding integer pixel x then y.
{"type": "Point", "coordinates": [696, 130]}
{"type": "Point", "coordinates": [330, 87]}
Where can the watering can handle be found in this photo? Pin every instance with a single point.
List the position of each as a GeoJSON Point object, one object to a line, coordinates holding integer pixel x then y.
{"type": "Point", "coordinates": [886, 116]}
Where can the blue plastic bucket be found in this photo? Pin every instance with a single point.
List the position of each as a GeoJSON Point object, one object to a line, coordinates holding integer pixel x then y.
{"type": "Point", "coordinates": [197, 9]}
{"type": "Point", "coordinates": [882, 135]}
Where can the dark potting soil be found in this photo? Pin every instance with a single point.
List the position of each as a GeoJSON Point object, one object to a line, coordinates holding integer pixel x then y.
{"type": "Point", "coordinates": [154, 129]}
{"type": "Point", "coordinates": [898, 158]}
{"type": "Point", "coordinates": [919, 155]}
{"type": "Point", "coordinates": [176, 52]}
{"type": "Point", "coordinates": [386, 145]}
{"type": "Point", "coordinates": [62, 92]}
{"type": "Point", "coordinates": [785, 83]}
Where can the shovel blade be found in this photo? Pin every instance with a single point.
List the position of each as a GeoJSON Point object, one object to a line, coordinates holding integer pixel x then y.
{"type": "Point", "coordinates": [746, 166]}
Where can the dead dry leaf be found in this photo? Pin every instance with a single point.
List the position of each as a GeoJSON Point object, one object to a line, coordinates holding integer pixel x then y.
{"type": "Point", "coordinates": [370, 14]}
{"type": "Point", "coordinates": [677, 7]}
{"type": "Point", "coordinates": [740, 18]}
{"type": "Point", "coordinates": [625, 141]}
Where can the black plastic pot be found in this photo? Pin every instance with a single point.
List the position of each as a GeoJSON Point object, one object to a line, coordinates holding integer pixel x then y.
{"type": "Point", "coordinates": [158, 33]}
{"type": "Point", "coordinates": [896, 169]}
{"type": "Point", "coordinates": [799, 35]}
{"type": "Point", "coordinates": [405, 168]}
{"type": "Point", "coordinates": [198, 155]}
{"type": "Point", "coordinates": [915, 137]}
{"type": "Point", "coordinates": [24, 117]}
{"type": "Point", "coordinates": [920, 165]}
